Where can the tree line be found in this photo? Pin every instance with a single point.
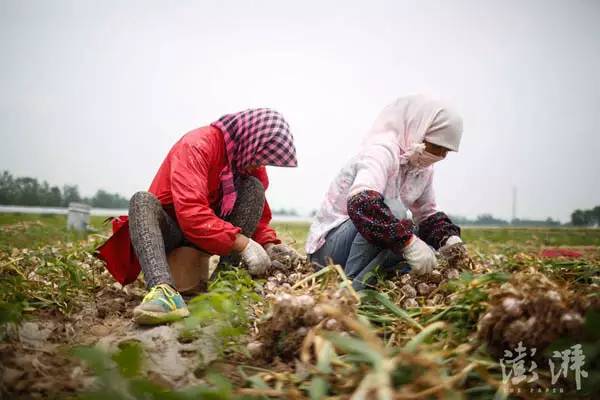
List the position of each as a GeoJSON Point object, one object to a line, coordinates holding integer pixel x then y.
{"type": "Point", "coordinates": [26, 191]}
{"type": "Point", "coordinates": [490, 220]}
{"type": "Point", "coordinates": [583, 218]}
{"type": "Point", "coordinates": [284, 211]}
{"type": "Point", "coordinates": [589, 217]}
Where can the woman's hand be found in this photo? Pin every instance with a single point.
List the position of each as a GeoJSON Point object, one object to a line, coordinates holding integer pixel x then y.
{"type": "Point", "coordinates": [240, 243]}
{"type": "Point", "coordinates": [454, 249]}
{"type": "Point", "coordinates": [452, 240]}
{"type": "Point", "coordinates": [282, 253]}
{"type": "Point", "coordinates": [256, 258]}
{"type": "Point", "coordinates": [419, 256]}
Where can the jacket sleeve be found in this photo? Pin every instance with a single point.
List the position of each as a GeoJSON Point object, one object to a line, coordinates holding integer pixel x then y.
{"type": "Point", "coordinates": [198, 221]}
{"type": "Point", "coordinates": [436, 229]}
{"type": "Point", "coordinates": [366, 205]}
{"type": "Point", "coordinates": [376, 223]}
{"type": "Point", "coordinates": [372, 170]}
{"type": "Point", "coordinates": [264, 233]}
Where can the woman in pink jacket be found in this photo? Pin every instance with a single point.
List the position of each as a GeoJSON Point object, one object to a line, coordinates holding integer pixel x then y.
{"type": "Point", "coordinates": [363, 222]}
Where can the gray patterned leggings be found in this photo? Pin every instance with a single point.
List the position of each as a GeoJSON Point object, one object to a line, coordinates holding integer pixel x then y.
{"type": "Point", "coordinates": [154, 233]}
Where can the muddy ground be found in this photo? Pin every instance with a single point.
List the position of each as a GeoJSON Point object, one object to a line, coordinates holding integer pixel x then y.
{"type": "Point", "coordinates": [288, 327]}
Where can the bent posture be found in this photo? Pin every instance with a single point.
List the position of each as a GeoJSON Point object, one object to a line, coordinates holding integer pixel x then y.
{"type": "Point", "coordinates": [363, 222]}
{"type": "Point", "coordinates": [209, 193]}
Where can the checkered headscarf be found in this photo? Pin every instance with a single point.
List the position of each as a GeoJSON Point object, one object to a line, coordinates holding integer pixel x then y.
{"type": "Point", "coordinates": [259, 137]}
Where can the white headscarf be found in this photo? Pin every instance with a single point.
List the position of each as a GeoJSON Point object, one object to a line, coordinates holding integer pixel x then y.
{"type": "Point", "coordinates": [403, 126]}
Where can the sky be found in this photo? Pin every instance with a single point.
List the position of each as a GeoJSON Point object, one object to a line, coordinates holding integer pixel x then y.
{"type": "Point", "coordinates": [95, 93]}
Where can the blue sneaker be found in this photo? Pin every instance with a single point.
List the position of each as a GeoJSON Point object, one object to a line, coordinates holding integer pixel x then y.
{"type": "Point", "coordinates": [161, 305]}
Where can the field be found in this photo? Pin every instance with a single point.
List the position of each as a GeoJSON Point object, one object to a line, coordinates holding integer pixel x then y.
{"type": "Point", "coordinates": [65, 328]}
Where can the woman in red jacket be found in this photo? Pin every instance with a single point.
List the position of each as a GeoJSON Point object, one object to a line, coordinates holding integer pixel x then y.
{"type": "Point", "coordinates": [208, 191]}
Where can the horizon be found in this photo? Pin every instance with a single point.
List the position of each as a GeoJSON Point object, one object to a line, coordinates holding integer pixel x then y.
{"type": "Point", "coordinates": [276, 211]}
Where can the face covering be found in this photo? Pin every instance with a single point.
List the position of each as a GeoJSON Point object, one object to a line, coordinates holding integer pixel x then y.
{"type": "Point", "coordinates": [424, 159]}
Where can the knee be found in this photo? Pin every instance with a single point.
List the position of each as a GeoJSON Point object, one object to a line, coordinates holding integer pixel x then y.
{"type": "Point", "coordinates": [143, 199]}
{"type": "Point", "coordinates": [359, 240]}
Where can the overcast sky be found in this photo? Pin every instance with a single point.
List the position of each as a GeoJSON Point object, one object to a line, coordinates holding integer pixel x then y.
{"type": "Point", "coordinates": [96, 93]}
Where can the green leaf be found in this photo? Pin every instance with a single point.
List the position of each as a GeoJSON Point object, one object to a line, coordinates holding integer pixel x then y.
{"type": "Point", "coordinates": [318, 388]}
{"type": "Point", "coordinates": [129, 359]}
{"type": "Point", "coordinates": [324, 358]}
{"type": "Point", "coordinates": [11, 312]}
{"type": "Point", "coordinates": [423, 335]}
{"type": "Point", "coordinates": [355, 346]}
{"type": "Point", "coordinates": [257, 382]}
{"type": "Point", "coordinates": [144, 389]}
{"type": "Point", "coordinates": [384, 300]}
{"type": "Point", "coordinates": [98, 360]}
{"type": "Point", "coordinates": [220, 382]}
{"type": "Point", "coordinates": [493, 277]}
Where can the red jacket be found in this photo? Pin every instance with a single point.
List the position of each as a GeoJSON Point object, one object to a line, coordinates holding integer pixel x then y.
{"type": "Point", "coordinates": [188, 186]}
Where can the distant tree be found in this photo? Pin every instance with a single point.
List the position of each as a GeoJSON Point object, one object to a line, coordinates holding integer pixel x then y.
{"type": "Point", "coordinates": [577, 218]}
{"type": "Point", "coordinates": [550, 222]}
{"type": "Point", "coordinates": [596, 215]}
{"type": "Point", "coordinates": [28, 191]}
{"type": "Point", "coordinates": [586, 217]}
{"type": "Point", "coordinates": [8, 189]}
{"type": "Point", "coordinates": [460, 220]}
{"type": "Point", "coordinates": [55, 197]}
{"type": "Point", "coordinates": [43, 194]}
{"type": "Point", "coordinates": [70, 195]}
{"type": "Point", "coordinates": [283, 211]}
{"type": "Point", "coordinates": [489, 219]}
{"type": "Point", "coordinates": [534, 222]}
{"type": "Point", "coordinates": [104, 199]}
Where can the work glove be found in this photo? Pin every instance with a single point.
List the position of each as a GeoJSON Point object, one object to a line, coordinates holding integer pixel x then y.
{"type": "Point", "coordinates": [256, 258]}
{"type": "Point", "coordinates": [282, 253]}
{"type": "Point", "coordinates": [452, 240]}
{"type": "Point", "coordinates": [453, 249]}
{"type": "Point", "coordinates": [419, 256]}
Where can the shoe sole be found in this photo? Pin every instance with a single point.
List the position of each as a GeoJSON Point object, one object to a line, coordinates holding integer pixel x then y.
{"type": "Point", "coordinates": [143, 317]}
